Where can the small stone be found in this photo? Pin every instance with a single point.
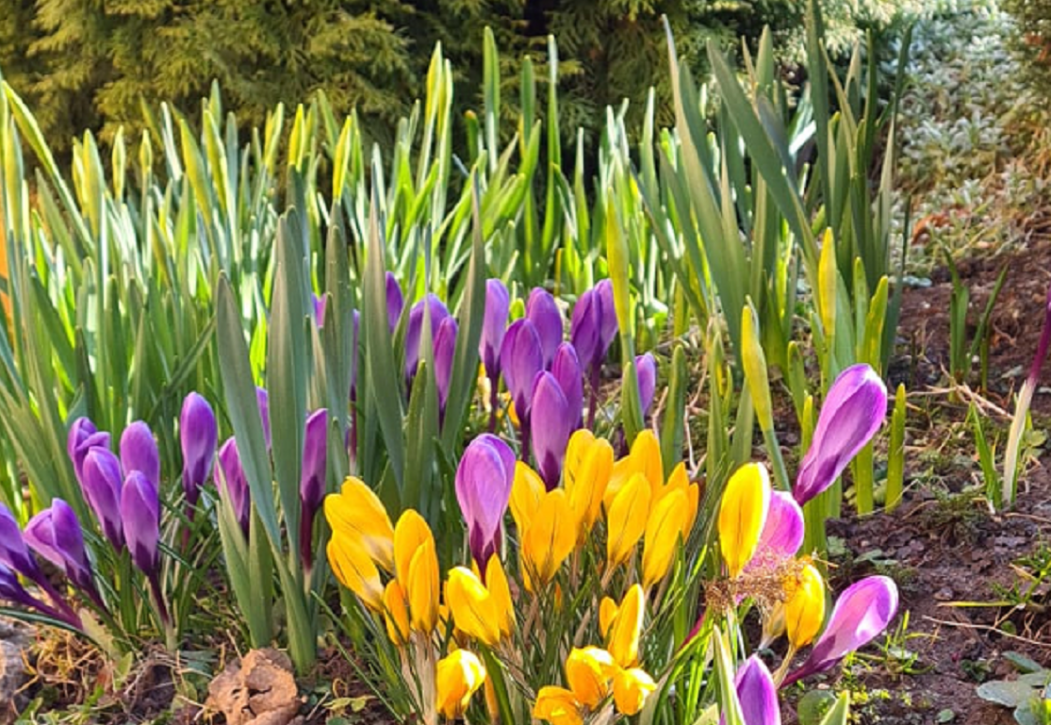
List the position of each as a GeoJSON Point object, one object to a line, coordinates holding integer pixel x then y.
{"type": "Point", "coordinates": [944, 594]}
{"type": "Point", "coordinates": [14, 638]}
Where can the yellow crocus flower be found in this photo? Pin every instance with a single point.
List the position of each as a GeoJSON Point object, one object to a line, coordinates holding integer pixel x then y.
{"type": "Point", "coordinates": [396, 613]}
{"type": "Point", "coordinates": [588, 673]}
{"type": "Point", "coordinates": [548, 540]}
{"type": "Point", "coordinates": [355, 570]}
{"type": "Point", "coordinates": [631, 687]}
{"type": "Point", "coordinates": [644, 459]}
{"type": "Point", "coordinates": [473, 608]}
{"type": "Point", "coordinates": [680, 481]}
{"type": "Point", "coordinates": [663, 532]}
{"type": "Point", "coordinates": [416, 567]}
{"type": "Point", "coordinates": [579, 444]}
{"type": "Point", "coordinates": [626, 520]}
{"type": "Point", "coordinates": [558, 706]}
{"type": "Point", "coordinates": [805, 607]}
{"type": "Point", "coordinates": [586, 483]}
{"type": "Point", "coordinates": [627, 628]}
{"type": "Point", "coordinates": [742, 514]}
{"type": "Point", "coordinates": [457, 677]}
{"type": "Point", "coordinates": [500, 591]}
{"type": "Point", "coordinates": [607, 612]}
{"type": "Point", "coordinates": [527, 491]}
{"type": "Point", "coordinates": [357, 512]}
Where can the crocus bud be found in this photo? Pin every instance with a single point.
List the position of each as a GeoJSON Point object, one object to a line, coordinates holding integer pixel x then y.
{"type": "Point", "coordinates": [584, 327]}
{"type": "Point", "coordinates": [483, 488]}
{"type": "Point", "coordinates": [646, 375]}
{"type": "Point", "coordinates": [320, 303]}
{"type": "Point", "coordinates": [494, 326]}
{"type": "Point", "coordinates": [395, 301]}
{"type": "Point", "coordinates": [312, 481]}
{"type": "Point", "coordinates": [862, 612]}
{"type": "Point", "coordinates": [138, 452]}
{"type": "Point", "coordinates": [414, 333]}
{"type": "Point", "coordinates": [542, 311]}
{"type": "Point", "coordinates": [456, 678]}
{"type": "Point", "coordinates": [234, 485]}
{"type": "Point", "coordinates": [101, 485]}
{"type": "Point", "coordinates": [14, 553]}
{"type": "Point", "coordinates": [83, 437]}
{"type": "Point", "coordinates": [140, 510]}
{"type": "Point", "coordinates": [263, 400]}
{"type": "Point", "coordinates": [521, 358]}
{"type": "Point", "coordinates": [608, 326]}
{"type": "Point", "coordinates": [55, 534]}
{"type": "Point", "coordinates": [853, 412]}
{"type": "Point", "coordinates": [567, 371]}
{"type": "Point", "coordinates": [757, 694]}
{"type": "Point", "coordinates": [551, 423]}
{"type": "Point", "coordinates": [444, 351]}
{"type": "Point", "coordinates": [198, 436]}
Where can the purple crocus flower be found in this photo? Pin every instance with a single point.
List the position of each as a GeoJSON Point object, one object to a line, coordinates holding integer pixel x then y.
{"type": "Point", "coordinates": [263, 399]}
{"type": "Point", "coordinates": [592, 329]}
{"type": "Point", "coordinates": [415, 330]}
{"type": "Point", "coordinates": [552, 423]}
{"type": "Point", "coordinates": [608, 326]}
{"type": "Point", "coordinates": [494, 326]}
{"type": "Point", "coordinates": [584, 328]}
{"type": "Point", "coordinates": [313, 480]}
{"type": "Point", "coordinates": [757, 694]}
{"type": "Point", "coordinates": [138, 452]}
{"type": "Point", "coordinates": [483, 489]}
{"type": "Point", "coordinates": [521, 358]}
{"type": "Point", "coordinates": [83, 436]}
{"type": "Point", "coordinates": [543, 312]}
{"type": "Point", "coordinates": [444, 352]}
{"type": "Point", "coordinates": [55, 534]}
{"type": "Point", "coordinates": [853, 412]}
{"type": "Point", "coordinates": [14, 553]}
{"type": "Point", "coordinates": [782, 534]}
{"type": "Point", "coordinates": [140, 510]}
{"type": "Point", "coordinates": [198, 436]}
{"type": "Point", "coordinates": [102, 484]}
{"type": "Point", "coordinates": [646, 375]}
{"type": "Point", "coordinates": [861, 613]}
{"type": "Point", "coordinates": [234, 484]}
{"type": "Point", "coordinates": [395, 301]}
{"type": "Point", "coordinates": [566, 369]}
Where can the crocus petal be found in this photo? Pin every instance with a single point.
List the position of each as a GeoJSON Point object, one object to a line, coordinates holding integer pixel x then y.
{"type": "Point", "coordinates": [551, 422]}
{"type": "Point", "coordinates": [584, 328]}
{"type": "Point", "coordinates": [742, 514]}
{"type": "Point", "coordinates": [234, 484]}
{"type": "Point", "coordinates": [198, 436]}
{"type": "Point", "coordinates": [521, 358]}
{"type": "Point", "coordinates": [782, 533]}
{"type": "Point", "coordinates": [494, 326]}
{"type": "Point", "coordinates": [13, 550]}
{"type": "Point", "coordinates": [138, 452]}
{"type": "Point", "coordinates": [414, 334]}
{"type": "Point", "coordinates": [456, 678]}
{"type": "Point", "coordinates": [315, 459]}
{"type": "Point", "coordinates": [79, 432]}
{"type": "Point", "coordinates": [10, 588]}
{"type": "Point", "coordinates": [320, 303]}
{"type": "Point", "coordinates": [483, 489]}
{"type": "Point", "coordinates": [101, 484]}
{"type": "Point", "coordinates": [862, 612]}
{"type": "Point", "coordinates": [95, 440]}
{"type": "Point", "coordinates": [55, 534]}
{"type": "Point", "coordinates": [444, 351]}
{"type": "Point", "coordinates": [567, 371]}
{"type": "Point", "coordinates": [646, 375]}
{"type": "Point", "coordinates": [608, 326]}
{"type": "Point", "coordinates": [853, 412]}
{"type": "Point", "coordinates": [263, 399]}
{"type": "Point", "coordinates": [757, 694]}
{"type": "Point", "coordinates": [588, 674]}
{"type": "Point", "coordinates": [395, 301]}
{"type": "Point", "coordinates": [542, 311]}
{"type": "Point", "coordinates": [141, 513]}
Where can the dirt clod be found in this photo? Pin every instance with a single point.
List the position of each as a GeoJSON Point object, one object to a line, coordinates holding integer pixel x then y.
{"type": "Point", "coordinates": [260, 689]}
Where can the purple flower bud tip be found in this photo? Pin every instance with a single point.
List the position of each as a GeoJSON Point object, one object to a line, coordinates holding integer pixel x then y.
{"type": "Point", "coordinates": [233, 484]}
{"type": "Point", "coordinates": [646, 375]}
{"type": "Point", "coordinates": [56, 535]}
{"type": "Point", "coordinates": [543, 312]}
{"type": "Point", "coordinates": [608, 326]}
{"type": "Point", "coordinates": [567, 371]}
{"type": "Point", "coordinates": [315, 460]}
{"type": "Point", "coordinates": [320, 303]}
{"type": "Point", "coordinates": [414, 334]}
{"type": "Point", "coordinates": [551, 424]}
{"type": "Point", "coordinates": [444, 352]}
{"type": "Point", "coordinates": [138, 452]}
{"type": "Point", "coordinates": [757, 694]}
{"type": "Point", "coordinates": [521, 358]}
{"type": "Point", "coordinates": [198, 436]}
{"type": "Point", "coordinates": [494, 326]}
{"type": "Point", "coordinates": [483, 489]}
{"type": "Point", "coordinates": [82, 437]}
{"type": "Point", "coordinates": [852, 414]}
{"type": "Point", "coordinates": [594, 325]}
{"type": "Point", "coordinates": [395, 301]}
{"type": "Point", "coordinates": [263, 400]}
{"type": "Point", "coordinates": [102, 489]}
{"type": "Point", "coordinates": [141, 513]}
{"type": "Point", "coordinates": [14, 553]}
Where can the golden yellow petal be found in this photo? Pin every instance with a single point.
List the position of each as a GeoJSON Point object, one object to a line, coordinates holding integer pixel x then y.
{"type": "Point", "coordinates": [742, 514]}
{"type": "Point", "coordinates": [627, 628]}
{"type": "Point", "coordinates": [626, 520]}
{"type": "Point", "coordinates": [646, 454]}
{"type": "Point", "coordinates": [805, 607]}
{"type": "Point", "coordinates": [607, 612]}
{"type": "Point", "coordinates": [527, 492]}
{"type": "Point", "coordinates": [410, 534]}
{"type": "Point", "coordinates": [500, 591]}
{"type": "Point", "coordinates": [549, 539]}
{"type": "Point", "coordinates": [356, 511]}
{"type": "Point", "coordinates": [457, 677]}
{"type": "Point", "coordinates": [355, 570]}
{"type": "Point", "coordinates": [558, 706]}
{"type": "Point", "coordinates": [631, 687]}
{"type": "Point", "coordinates": [588, 673]}
{"type": "Point", "coordinates": [472, 607]}
{"type": "Point", "coordinates": [663, 533]}
{"type": "Point", "coordinates": [423, 587]}
{"type": "Point", "coordinates": [587, 488]}
{"type": "Point", "coordinates": [396, 613]}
